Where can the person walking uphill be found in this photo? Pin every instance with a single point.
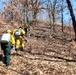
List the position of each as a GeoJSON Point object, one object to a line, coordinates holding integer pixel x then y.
{"type": "Point", "coordinates": [26, 27]}
{"type": "Point", "coordinates": [6, 47]}
{"type": "Point", "coordinates": [19, 38]}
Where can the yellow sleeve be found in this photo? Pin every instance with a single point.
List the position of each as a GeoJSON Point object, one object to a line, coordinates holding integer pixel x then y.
{"type": "Point", "coordinates": [23, 32]}
{"type": "Point", "coordinates": [14, 31]}
{"type": "Point", "coordinates": [12, 39]}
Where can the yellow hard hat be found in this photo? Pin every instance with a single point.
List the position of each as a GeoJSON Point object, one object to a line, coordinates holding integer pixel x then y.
{"type": "Point", "coordinates": [26, 25]}
{"type": "Point", "coordinates": [8, 31]}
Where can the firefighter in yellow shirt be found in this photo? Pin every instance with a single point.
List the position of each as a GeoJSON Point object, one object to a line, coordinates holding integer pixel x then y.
{"type": "Point", "coordinates": [6, 47]}
{"type": "Point", "coordinates": [25, 27]}
{"type": "Point", "coordinates": [19, 38]}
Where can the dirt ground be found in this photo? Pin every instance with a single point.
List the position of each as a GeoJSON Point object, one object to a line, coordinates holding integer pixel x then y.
{"type": "Point", "coordinates": [45, 53]}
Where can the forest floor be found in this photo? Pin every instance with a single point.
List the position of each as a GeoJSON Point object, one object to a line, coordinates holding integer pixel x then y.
{"type": "Point", "coordinates": [45, 53]}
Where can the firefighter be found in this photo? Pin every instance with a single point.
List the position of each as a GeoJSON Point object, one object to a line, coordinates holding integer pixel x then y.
{"type": "Point", "coordinates": [25, 27]}
{"type": "Point", "coordinates": [6, 47]}
{"type": "Point", "coordinates": [19, 38]}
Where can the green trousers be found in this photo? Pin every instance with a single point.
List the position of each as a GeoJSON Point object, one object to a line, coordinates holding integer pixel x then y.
{"type": "Point", "coordinates": [6, 47]}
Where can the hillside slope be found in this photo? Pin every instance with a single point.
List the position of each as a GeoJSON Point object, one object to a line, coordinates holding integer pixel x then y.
{"type": "Point", "coordinates": [45, 53]}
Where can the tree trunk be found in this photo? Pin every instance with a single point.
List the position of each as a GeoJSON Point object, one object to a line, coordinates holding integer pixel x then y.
{"type": "Point", "coordinates": [34, 15]}
{"type": "Point", "coordinates": [72, 16]}
{"type": "Point", "coordinates": [62, 15]}
{"type": "Point", "coordinates": [54, 20]}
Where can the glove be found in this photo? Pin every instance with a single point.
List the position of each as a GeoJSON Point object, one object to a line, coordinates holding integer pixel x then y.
{"type": "Point", "coordinates": [13, 47]}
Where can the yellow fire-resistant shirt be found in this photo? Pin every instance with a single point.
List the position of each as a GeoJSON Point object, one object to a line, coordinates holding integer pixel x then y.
{"type": "Point", "coordinates": [12, 39]}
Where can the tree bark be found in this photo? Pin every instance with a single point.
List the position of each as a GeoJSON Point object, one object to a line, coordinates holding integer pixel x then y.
{"type": "Point", "coordinates": [62, 15]}
{"type": "Point", "coordinates": [72, 16]}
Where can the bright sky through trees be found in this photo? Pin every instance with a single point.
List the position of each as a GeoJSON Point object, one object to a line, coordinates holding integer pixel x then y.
{"type": "Point", "coordinates": [44, 16]}
{"type": "Point", "coordinates": [1, 5]}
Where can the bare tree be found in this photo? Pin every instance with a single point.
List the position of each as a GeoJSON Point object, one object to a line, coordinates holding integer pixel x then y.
{"type": "Point", "coordinates": [36, 7]}
{"type": "Point", "coordinates": [62, 15]}
{"type": "Point", "coordinates": [51, 7]}
{"type": "Point", "coordinates": [11, 12]}
{"type": "Point", "coordinates": [72, 16]}
{"type": "Point", "coordinates": [24, 10]}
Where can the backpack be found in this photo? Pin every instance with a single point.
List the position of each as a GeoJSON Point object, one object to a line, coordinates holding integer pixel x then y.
{"type": "Point", "coordinates": [5, 38]}
{"type": "Point", "coordinates": [18, 32]}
